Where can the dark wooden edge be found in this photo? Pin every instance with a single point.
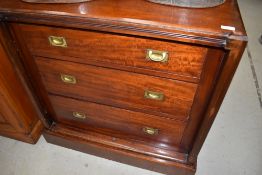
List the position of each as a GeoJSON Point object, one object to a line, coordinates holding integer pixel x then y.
{"type": "Point", "coordinates": [31, 137]}
{"type": "Point", "coordinates": [69, 138]}
{"type": "Point", "coordinates": [31, 75]}
{"type": "Point", "coordinates": [213, 62]}
{"type": "Point", "coordinates": [119, 141]}
{"type": "Point", "coordinates": [227, 72]}
{"type": "Point", "coordinates": [15, 59]}
{"type": "Point", "coordinates": [116, 26]}
{"type": "Point", "coordinates": [31, 133]}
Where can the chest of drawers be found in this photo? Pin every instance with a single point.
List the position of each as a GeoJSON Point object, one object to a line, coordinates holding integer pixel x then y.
{"type": "Point", "coordinates": [138, 85]}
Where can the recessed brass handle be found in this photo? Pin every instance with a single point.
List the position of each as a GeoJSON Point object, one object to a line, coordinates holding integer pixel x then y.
{"type": "Point", "coordinates": [68, 79]}
{"type": "Point", "coordinates": [150, 131]}
{"type": "Point", "coordinates": [154, 95]}
{"type": "Point", "coordinates": [79, 115]}
{"type": "Point", "coordinates": [57, 41]}
{"type": "Point", "coordinates": [156, 55]}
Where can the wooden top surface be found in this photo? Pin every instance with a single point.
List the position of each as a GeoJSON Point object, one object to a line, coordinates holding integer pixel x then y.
{"type": "Point", "coordinates": [142, 12]}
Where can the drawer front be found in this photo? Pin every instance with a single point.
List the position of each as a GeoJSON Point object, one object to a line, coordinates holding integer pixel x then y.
{"type": "Point", "coordinates": [132, 125]}
{"type": "Point", "coordinates": [133, 91]}
{"type": "Point", "coordinates": [122, 52]}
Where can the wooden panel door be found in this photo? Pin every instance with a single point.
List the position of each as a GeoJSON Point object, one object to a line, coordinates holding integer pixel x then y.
{"type": "Point", "coordinates": [19, 116]}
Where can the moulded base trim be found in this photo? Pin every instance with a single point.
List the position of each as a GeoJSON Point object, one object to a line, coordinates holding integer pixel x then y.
{"type": "Point", "coordinates": [113, 149]}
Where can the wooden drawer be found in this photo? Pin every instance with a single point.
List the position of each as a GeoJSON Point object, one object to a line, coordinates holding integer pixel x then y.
{"type": "Point", "coordinates": [132, 125]}
{"type": "Point", "coordinates": [122, 52]}
{"type": "Point", "coordinates": [100, 48]}
{"type": "Point", "coordinates": [170, 98]}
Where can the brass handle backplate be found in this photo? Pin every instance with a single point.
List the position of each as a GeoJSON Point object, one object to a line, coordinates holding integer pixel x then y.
{"type": "Point", "coordinates": [57, 41]}
{"type": "Point", "coordinates": [150, 131]}
{"type": "Point", "coordinates": [79, 115]}
{"type": "Point", "coordinates": [68, 79]}
{"type": "Point", "coordinates": [154, 95]}
{"type": "Point", "coordinates": [156, 55]}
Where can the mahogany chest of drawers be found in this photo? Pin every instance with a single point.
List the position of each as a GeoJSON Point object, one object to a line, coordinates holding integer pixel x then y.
{"type": "Point", "coordinates": [132, 81]}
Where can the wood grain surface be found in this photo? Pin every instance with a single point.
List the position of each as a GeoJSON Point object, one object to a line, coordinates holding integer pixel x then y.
{"type": "Point", "coordinates": [121, 52]}
{"type": "Point", "coordinates": [118, 88]}
{"type": "Point", "coordinates": [142, 16]}
{"type": "Point", "coordinates": [114, 75]}
{"type": "Point", "coordinates": [19, 116]}
{"type": "Point", "coordinates": [128, 123]}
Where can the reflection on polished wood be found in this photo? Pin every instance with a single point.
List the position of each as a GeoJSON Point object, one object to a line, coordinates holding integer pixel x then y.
{"type": "Point", "coordinates": [132, 81]}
